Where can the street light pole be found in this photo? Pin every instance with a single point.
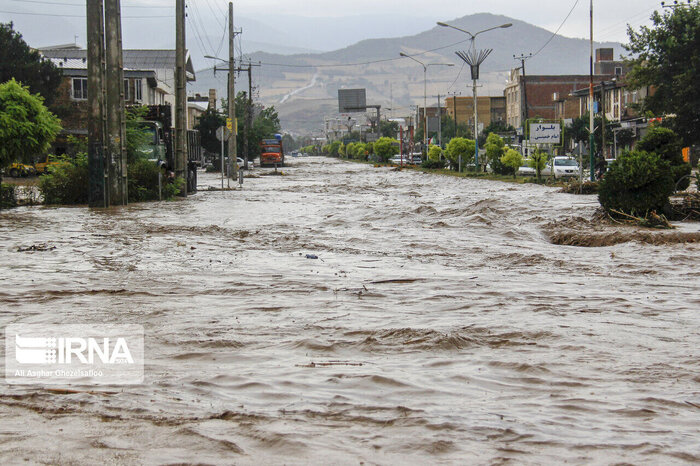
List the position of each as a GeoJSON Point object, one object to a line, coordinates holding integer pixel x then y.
{"type": "Point", "coordinates": [425, 95]}
{"type": "Point", "coordinates": [475, 61]}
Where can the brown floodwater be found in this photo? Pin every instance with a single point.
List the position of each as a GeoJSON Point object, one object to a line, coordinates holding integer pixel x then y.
{"type": "Point", "coordinates": [438, 325]}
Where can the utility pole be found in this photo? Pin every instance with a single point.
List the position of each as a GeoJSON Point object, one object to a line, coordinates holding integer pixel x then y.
{"type": "Point", "coordinates": [180, 96]}
{"type": "Point", "coordinates": [439, 109]}
{"type": "Point", "coordinates": [98, 180]}
{"type": "Point", "coordinates": [116, 122]}
{"type": "Point", "coordinates": [248, 122]}
{"type": "Point", "coordinates": [522, 59]}
{"type": "Point", "coordinates": [232, 149]}
{"type": "Point", "coordinates": [591, 129]}
{"type": "Point", "coordinates": [454, 111]}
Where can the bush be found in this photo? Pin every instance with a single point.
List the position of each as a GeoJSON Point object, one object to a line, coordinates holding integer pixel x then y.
{"type": "Point", "coordinates": [511, 161]}
{"type": "Point", "coordinates": [67, 183]}
{"type": "Point", "coordinates": [8, 196]}
{"type": "Point", "coordinates": [434, 153]}
{"type": "Point", "coordinates": [538, 161]}
{"type": "Point", "coordinates": [636, 183]}
{"type": "Point", "coordinates": [433, 164]}
{"type": "Point", "coordinates": [669, 146]}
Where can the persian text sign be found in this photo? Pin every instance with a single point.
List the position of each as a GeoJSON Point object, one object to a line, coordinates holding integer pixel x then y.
{"type": "Point", "coordinates": [74, 354]}
{"type": "Point", "coordinates": [545, 133]}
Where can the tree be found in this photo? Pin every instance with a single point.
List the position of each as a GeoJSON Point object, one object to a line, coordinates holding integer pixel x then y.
{"type": "Point", "coordinates": [26, 65]}
{"type": "Point", "coordinates": [512, 159]}
{"type": "Point", "coordinates": [27, 128]}
{"type": "Point", "coordinates": [668, 145]}
{"type": "Point", "coordinates": [495, 148]}
{"type": "Point", "coordinates": [389, 129]}
{"type": "Point", "coordinates": [460, 147]}
{"type": "Point", "coordinates": [207, 124]}
{"type": "Point", "coordinates": [266, 124]}
{"type": "Point", "coordinates": [448, 129]}
{"type": "Point", "coordinates": [434, 153]}
{"type": "Point", "coordinates": [385, 148]}
{"type": "Point", "coordinates": [668, 58]}
{"type": "Point", "coordinates": [538, 160]}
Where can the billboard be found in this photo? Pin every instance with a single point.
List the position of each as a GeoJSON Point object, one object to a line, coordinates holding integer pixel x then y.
{"type": "Point", "coordinates": [352, 100]}
{"type": "Point", "coordinates": [545, 133]}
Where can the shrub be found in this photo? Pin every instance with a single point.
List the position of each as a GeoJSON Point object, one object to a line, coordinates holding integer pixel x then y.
{"type": "Point", "coordinates": [434, 153]}
{"type": "Point", "coordinates": [8, 196]}
{"type": "Point", "coordinates": [433, 164]}
{"type": "Point", "coordinates": [669, 146]}
{"type": "Point", "coordinates": [511, 161]}
{"type": "Point", "coordinates": [67, 183]}
{"type": "Point", "coordinates": [636, 183]}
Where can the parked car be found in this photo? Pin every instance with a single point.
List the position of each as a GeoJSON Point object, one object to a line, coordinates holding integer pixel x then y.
{"type": "Point", "coordinates": [564, 167]}
{"type": "Point", "coordinates": [525, 169]}
{"type": "Point", "coordinates": [398, 160]}
{"type": "Point", "coordinates": [416, 159]}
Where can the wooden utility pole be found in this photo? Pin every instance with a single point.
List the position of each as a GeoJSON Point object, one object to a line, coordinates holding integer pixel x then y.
{"type": "Point", "coordinates": [180, 161]}
{"type": "Point", "coordinates": [116, 121]}
{"type": "Point", "coordinates": [232, 149]}
{"type": "Point", "coordinates": [98, 180]}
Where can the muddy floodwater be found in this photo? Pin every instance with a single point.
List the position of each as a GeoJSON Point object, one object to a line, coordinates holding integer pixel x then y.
{"type": "Point", "coordinates": [437, 326]}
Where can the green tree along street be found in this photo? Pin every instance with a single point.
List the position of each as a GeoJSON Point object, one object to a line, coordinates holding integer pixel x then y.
{"type": "Point", "coordinates": [207, 124]}
{"type": "Point", "coordinates": [460, 147]}
{"type": "Point", "coordinates": [668, 146]}
{"type": "Point", "coordinates": [27, 128]}
{"type": "Point", "coordinates": [668, 58]}
{"type": "Point", "coordinates": [26, 65]}
{"type": "Point", "coordinates": [388, 129]}
{"type": "Point", "coordinates": [434, 153]}
{"type": "Point", "coordinates": [495, 148]}
{"type": "Point", "coordinates": [266, 123]}
{"type": "Point", "coordinates": [512, 159]}
{"type": "Point", "coordinates": [538, 161]}
{"type": "Point", "coordinates": [385, 148]}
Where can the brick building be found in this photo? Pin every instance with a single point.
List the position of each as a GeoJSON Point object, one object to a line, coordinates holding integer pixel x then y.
{"type": "Point", "coordinates": [549, 96]}
{"type": "Point", "coordinates": [489, 110]}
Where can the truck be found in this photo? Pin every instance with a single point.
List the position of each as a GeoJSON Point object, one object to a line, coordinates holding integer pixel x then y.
{"type": "Point", "coordinates": [271, 152]}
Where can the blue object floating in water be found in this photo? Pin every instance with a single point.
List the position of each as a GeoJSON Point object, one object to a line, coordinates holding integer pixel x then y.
{"type": "Point", "coordinates": [311, 256]}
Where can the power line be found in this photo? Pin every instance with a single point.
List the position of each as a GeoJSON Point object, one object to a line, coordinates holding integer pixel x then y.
{"type": "Point", "coordinates": [83, 4]}
{"type": "Point", "coordinates": [558, 29]}
{"type": "Point", "coordinates": [80, 16]}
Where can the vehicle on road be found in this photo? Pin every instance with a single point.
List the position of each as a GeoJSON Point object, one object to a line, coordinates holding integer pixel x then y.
{"type": "Point", "coordinates": [564, 167]}
{"type": "Point", "coordinates": [525, 169]}
{"type": "Point", "coordinates": [398, 160]}
{"type": "Point", "coordinates": [45, 166]}
{"type": "Point", "coordinates": [16, 170]}
{"type": "Point", "coordinates": [271, 153]}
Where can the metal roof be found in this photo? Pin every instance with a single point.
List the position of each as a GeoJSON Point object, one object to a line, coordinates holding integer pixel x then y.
{"type": "Point", "coordinates": [135, 59]}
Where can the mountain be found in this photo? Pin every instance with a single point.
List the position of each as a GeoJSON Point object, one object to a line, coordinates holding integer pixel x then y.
{"type": "Point", "coordinates": [303, 87]}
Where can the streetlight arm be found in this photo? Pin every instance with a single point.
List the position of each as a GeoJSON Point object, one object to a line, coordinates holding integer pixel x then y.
{"type": "Point", "coordinates": [472, 36]}
{"type": "Point", "coordinates": [415, 60]}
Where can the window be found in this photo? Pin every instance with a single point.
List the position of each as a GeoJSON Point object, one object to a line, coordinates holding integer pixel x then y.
{"type": "Point", "coordinates": [126, 90]}
{"type": "Point", "coordinates": [138, 90]}
{"type": "Point", "coordinates": [618, 70]}
{"type": "Point", "coordinates": [79, 88]}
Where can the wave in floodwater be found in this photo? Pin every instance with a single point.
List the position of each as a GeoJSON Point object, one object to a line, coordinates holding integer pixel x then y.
{"type": "Point", "coordinates": [439, 324]}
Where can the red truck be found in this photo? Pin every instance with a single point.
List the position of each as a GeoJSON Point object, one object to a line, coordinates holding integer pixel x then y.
{"type": "Point", "coordinates": [271, 153]}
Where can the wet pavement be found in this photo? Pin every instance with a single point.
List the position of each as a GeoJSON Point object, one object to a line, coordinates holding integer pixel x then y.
{"type": "Point", "coordinates": [438, 325]}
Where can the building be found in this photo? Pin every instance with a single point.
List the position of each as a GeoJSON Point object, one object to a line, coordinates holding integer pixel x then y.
{"type": "Point", "coordinates": [149, 79]}
{"type": "Point", "coordinates": [489, 110]}
{"type": "Point", "coordinates": [549, 96]}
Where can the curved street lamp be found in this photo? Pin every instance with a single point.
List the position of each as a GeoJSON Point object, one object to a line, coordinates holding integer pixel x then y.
{"type": "Point", "coordinates": [474, 60]}
{"type": "Point", "coordinates": [425, 97]}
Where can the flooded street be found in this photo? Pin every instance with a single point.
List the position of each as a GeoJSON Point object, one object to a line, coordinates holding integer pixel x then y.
{"type": "Point", "coordinates": [438, 325]}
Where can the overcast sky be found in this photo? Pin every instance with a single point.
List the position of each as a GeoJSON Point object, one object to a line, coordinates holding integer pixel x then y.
{"type": "Point", "coordinates": [610, 16]}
